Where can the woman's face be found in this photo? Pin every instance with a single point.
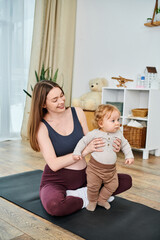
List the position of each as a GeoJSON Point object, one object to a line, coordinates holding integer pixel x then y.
{"type": "Point", "coordinates": [55, 100]}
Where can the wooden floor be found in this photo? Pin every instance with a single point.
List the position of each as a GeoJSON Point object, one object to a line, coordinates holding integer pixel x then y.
{"type": "Point", "coordinates": [19, 224]}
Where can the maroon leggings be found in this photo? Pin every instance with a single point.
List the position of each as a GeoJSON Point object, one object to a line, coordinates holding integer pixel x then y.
{"type": "Point", "coordinates": [54, 185]}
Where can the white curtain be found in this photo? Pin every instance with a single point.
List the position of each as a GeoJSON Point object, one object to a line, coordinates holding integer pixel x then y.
{"type": "Point", "coordinates": [53, 45]}
{"type": "Point", "coordinates": [16, 25]}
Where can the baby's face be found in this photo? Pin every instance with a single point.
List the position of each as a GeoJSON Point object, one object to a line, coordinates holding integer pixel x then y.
{"type": "Point", "coordinates": [111, 124]}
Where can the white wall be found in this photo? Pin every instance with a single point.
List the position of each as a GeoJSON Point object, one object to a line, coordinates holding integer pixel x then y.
{"type": "Point", "coordinates": [111, 40]}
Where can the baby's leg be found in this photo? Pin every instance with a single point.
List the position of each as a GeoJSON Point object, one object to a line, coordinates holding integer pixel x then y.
{"type": "Point", "coordinates": [94, 183]}
{"type": "Point", "coordinates": [82, 193]}
{"type": "Point", "coordinates": [106, 191]}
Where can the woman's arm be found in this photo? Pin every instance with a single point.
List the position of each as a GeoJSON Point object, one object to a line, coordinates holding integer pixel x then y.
{"type": "Point", "coordinates": [47, 150]}
{"type": "Point", "coordinates": [96, 144]}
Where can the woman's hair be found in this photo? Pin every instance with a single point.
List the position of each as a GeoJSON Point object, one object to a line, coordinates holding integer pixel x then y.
{"type": "Point", "coordinates": [101, 111]}
{"type": "Point", "coordinates": [37, 111]}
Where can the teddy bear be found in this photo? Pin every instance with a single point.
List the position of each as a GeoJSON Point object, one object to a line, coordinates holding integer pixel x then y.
{"type": "Point", "coordinates": [91, 100]}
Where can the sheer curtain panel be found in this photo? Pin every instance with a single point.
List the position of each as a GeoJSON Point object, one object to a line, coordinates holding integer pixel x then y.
{"type": "Point", "coordinates": [16, 25]}
{"type": "Point", "coordinates": [53, 45]}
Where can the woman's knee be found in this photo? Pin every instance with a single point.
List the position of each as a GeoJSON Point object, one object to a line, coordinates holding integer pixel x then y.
{"type": "Point", "coordinates": [125, 183]}
{"type": "Point", "coordinates": [63, 207]}
{"type": "Point", "coordinates": [52, 203]}
{"type": "Point", "coordinates": [53, 208]}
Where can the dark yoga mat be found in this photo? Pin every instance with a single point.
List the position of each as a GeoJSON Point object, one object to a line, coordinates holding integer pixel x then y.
{"type": "Point", "coordinates": [125, 220]}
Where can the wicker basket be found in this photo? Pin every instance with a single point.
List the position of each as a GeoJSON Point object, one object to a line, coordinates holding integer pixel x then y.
{"type": "Point", "coordinates": [140, 112]}
{"type": "Point", "coordinates": [135, 136]}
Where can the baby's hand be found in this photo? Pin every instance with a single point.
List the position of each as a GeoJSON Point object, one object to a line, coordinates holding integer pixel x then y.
{"type": "Point", "coordinates": [129, 161]}
{"type": "Point", "coordinates": [77, 157]}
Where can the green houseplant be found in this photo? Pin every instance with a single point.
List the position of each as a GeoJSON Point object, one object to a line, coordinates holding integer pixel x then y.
{"type": "Point", "coordinates": [46, 74]}
{"type": "Point", "coordinates": [158, 10]}
{"type": "Point", "coordinates": [158, 14]}
{"type": "Point", "coordinates": [149, 19]}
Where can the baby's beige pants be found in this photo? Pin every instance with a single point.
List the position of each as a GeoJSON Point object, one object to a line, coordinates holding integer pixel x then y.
{"type": "Point", "coordinates": [102, 180]}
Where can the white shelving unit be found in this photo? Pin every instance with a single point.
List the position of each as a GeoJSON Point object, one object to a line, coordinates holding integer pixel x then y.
{"type": "Point", "coordinates": [139, 98]}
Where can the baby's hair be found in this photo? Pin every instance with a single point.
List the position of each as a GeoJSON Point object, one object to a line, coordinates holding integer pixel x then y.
{"type": "Point", "coordinates": [101, 112]}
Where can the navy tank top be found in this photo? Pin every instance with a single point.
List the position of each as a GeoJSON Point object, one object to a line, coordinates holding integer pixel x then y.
{"type": "Point", "coordinates": [65, 144]}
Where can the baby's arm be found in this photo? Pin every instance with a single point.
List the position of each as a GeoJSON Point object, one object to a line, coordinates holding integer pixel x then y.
{"type": "Point", "coordinates": [129, 161]}
{"type": "Point", "coordinates": [83, 142]}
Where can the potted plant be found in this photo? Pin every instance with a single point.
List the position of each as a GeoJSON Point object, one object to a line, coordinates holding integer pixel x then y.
{"type": "Point", "coordinates": [46, 74]}
{"type": "Point", "coordinates": [149, 19]}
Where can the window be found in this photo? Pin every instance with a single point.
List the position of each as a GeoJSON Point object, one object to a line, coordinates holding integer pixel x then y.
{"type": "Point", "coordinates": [16, 26]}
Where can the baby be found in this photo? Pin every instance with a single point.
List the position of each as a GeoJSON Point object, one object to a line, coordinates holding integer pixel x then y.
{"type": "Point", "coordinates": [102, 179]}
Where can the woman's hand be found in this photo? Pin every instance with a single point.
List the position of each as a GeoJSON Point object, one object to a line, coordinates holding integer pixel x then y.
{"type": "Point", "coordinates": [94, 146]}
{"type": "Point", "coordinates": [117, 145]}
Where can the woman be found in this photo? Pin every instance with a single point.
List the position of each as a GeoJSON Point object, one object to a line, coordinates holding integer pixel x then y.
{"type": "Point", "coordinates": [55, 130]}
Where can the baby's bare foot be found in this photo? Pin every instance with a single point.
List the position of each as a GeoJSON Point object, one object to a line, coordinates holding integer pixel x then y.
{"type": "Point", "coordinates": [91, 206]}
{"type": "Point", "coordinates": [104, 204]}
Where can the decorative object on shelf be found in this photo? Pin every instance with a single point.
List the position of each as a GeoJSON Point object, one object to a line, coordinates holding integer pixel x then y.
{"type": "Point", "coordinates": [155, 20]}
{"type": "Point", "coordinates": [148, 79]}
{"type": "Point", "coordinates": [46, 74]}
{"type": "Point", "coordinates": [122, 81]}
{"type": "Point", "coordinates": [91, 100]}
{"type": "Point", "coordinates": [140, 112]}
{"type": "Point", "coordinates": [141, 81]}
{"type": "Point", "coordinates": [149, 20]}
{"type": "Point", "coordinates": [151, 78]}
{"type": "Point", "coordinates": [119, 105]}
{"type": "Point", "coordinates": [136, 136]}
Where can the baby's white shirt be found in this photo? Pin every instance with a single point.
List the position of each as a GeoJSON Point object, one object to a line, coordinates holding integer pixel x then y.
{"type": "Point", "coordinates": [107, 156]}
